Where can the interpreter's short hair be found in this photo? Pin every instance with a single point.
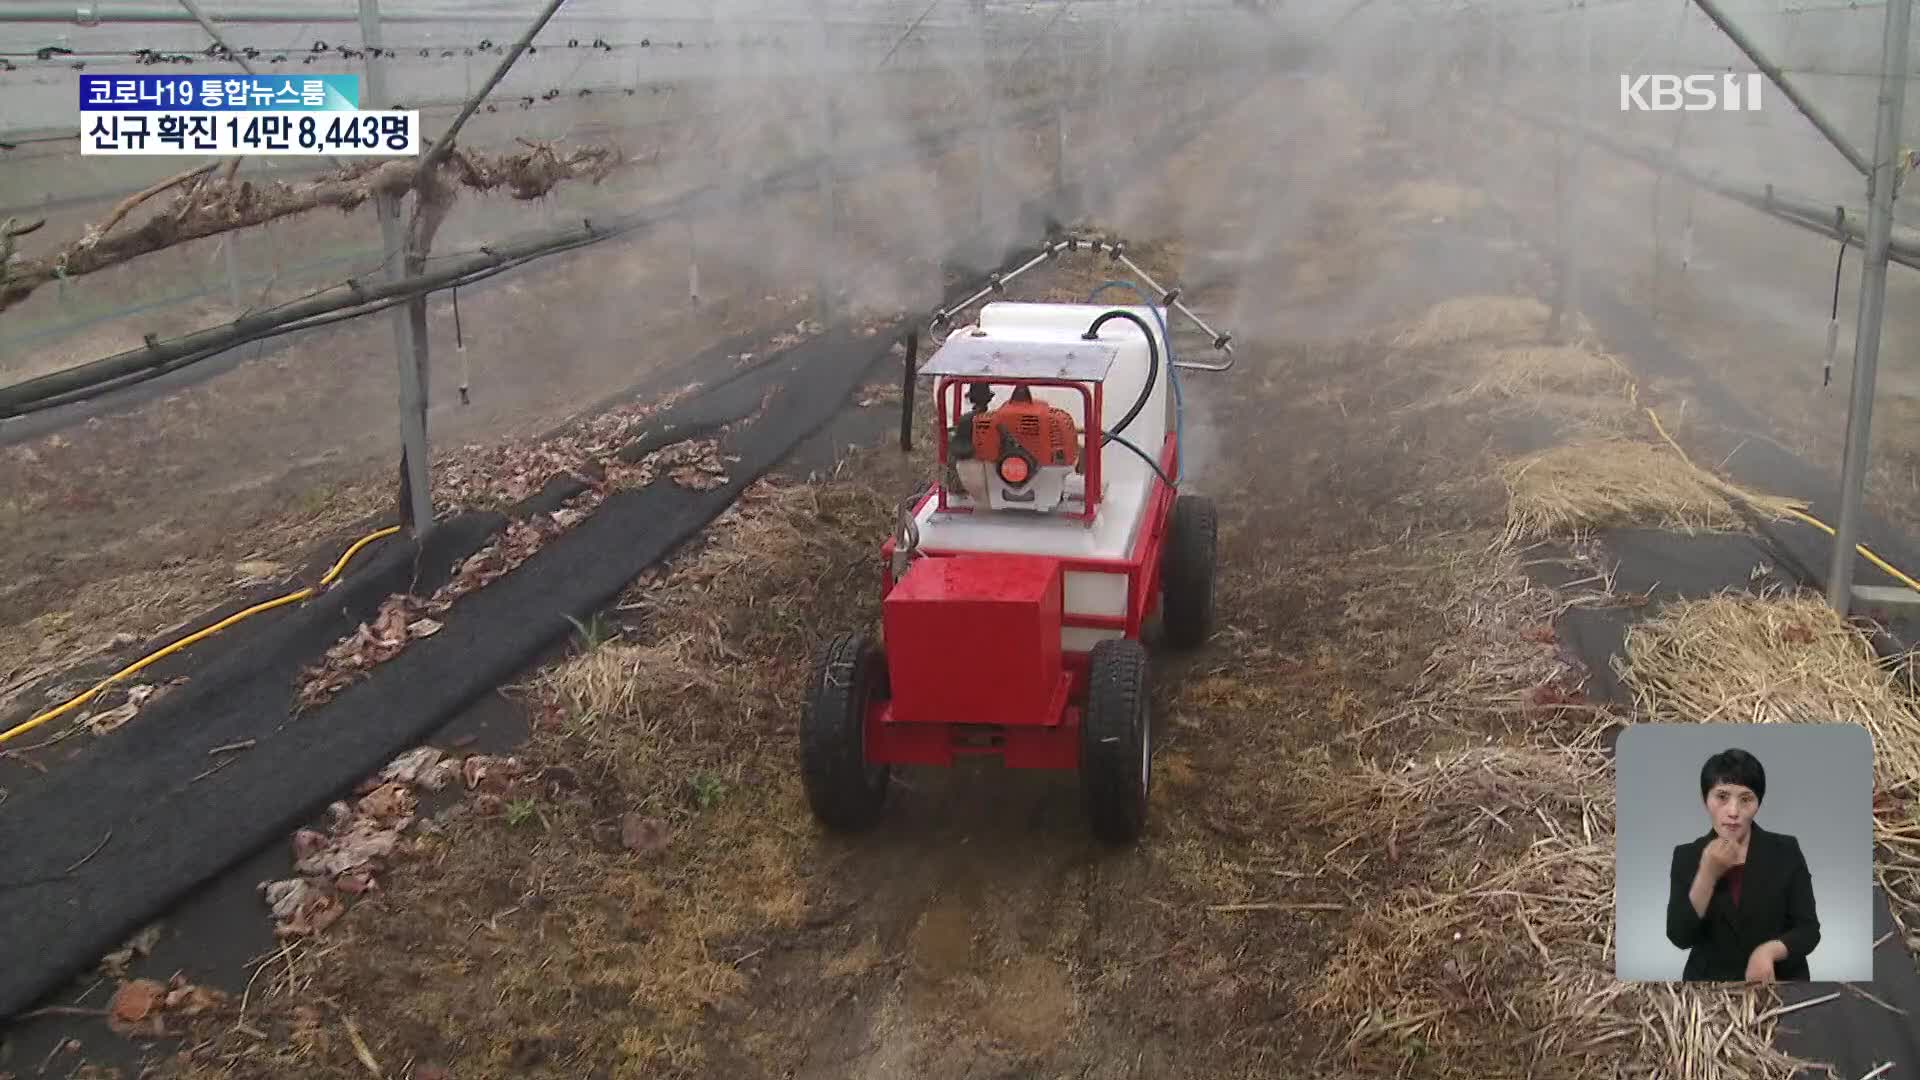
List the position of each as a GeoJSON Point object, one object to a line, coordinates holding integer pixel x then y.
{"type": "Point", "coordinates": [1734, 766]}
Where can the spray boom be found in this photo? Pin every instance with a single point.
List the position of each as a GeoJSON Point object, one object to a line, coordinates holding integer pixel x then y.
{"type": "Point", "coordinates": [1116, 251]}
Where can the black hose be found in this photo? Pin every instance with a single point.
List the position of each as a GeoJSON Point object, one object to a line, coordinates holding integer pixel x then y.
{"type": "Point", "coordinates": [1151, 464]}
{"type": "Point", "coordinates": [1153, 363]}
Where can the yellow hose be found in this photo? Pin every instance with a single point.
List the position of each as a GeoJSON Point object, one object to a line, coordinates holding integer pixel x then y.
{"type": "Point", "coordinates": [1862, 549]}
{"type": "Point", "coordinates": [1802, 515]}
{"type": "Point", "coordinates": [199, 635]}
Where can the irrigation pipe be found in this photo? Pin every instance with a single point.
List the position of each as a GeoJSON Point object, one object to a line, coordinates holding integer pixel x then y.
{"type": "Point", "coordinates": [1776, 204]}
{"type": "Point", "coordinates": [1802, 515]}
{"type": "Point", "coordinates": [155, 657]}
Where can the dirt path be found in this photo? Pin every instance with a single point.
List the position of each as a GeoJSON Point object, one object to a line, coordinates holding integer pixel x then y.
{"type": "Point", "coordinates": [979, 933]}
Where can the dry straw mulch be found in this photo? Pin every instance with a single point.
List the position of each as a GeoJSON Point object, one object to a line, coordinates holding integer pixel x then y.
{"type": "Point", "coordinates": [1500, 964]}
{"type": "Point", "coordinates": [1744, 659]}
{"type": "Point", "coordinates": [1533, 370]}
{"type": "Point", "coordinates": [1482, 319]}
{"type": "Point", "coordinates": [1569, 490]}
{"type": "Point", "coordinates": [1492, 354]}
{"type": "Point", "coordinates": [1426, 199]}
{"type": "Point", "coordinates": [1486, 948]}
{"type": "Point", "coordinates": [1582, 392]}
{"type": "Point", "coordinates": [1493, 349]}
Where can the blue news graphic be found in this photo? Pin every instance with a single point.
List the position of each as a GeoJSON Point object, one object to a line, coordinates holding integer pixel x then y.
{"type": "Point", "coordinates": [219, 93]}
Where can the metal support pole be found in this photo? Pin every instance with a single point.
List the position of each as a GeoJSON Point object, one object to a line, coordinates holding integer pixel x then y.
{"type": "Point", "coordinates": [416, 501]}
{"type": "Point", "coordinates": [829, 249]}
{"type": "Point", "coordinates": [438, 151]}
{"type": "Point", "coordinates": [1773, 73]}
{"type": "Point", "coordinates": [830, 197]}
{"type": "Point", "coordinates": [1800, 213]}
{"type": "Point", "coordinates": [1496, 72]}
{"type": "Point", "coordinates": [1575, 191]}
{"type": "Point", "coordinates": [1873, 298]}
{"type": "Point", "coordinates": [206, 24]}
{"type": "Point", "coordinates": [910, 367]}
{"type": "Point", "coordinates": [1189, 29]}
{"type": "Point", "coordinates": [989, 118]}
{"type": "Point", "coordinates": [1109, 74]}
{"type": "Point", "coordinates": [1567, 292]}
{"type": "Point", "coordinates": [1062, 86]}
{"type": "Point", "coordinates": [693, 265]}
{"type": "Point", "coordinates": [239, 59]}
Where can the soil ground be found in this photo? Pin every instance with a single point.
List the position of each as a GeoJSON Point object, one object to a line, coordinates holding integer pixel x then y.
{"type": "Point", "coordinates": [653, 899]}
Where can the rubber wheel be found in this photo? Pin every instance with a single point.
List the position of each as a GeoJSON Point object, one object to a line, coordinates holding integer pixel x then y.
{"type": "Point", "coordinates": [1116, 741]}
{"type": "Point", "coordinates": [1186, 572]}
{"type": "Point", "coordinates": [845, 793]}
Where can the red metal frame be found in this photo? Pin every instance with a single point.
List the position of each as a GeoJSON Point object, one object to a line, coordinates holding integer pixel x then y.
{"type": "Point", "coordinates": [1050, 740]}
{"type": "Point", "coordinates": [1094, 400]}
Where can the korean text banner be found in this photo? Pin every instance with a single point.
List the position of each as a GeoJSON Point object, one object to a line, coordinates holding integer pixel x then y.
{"type": "Point", "coordinates": [219, 93]}
{"type": "Point", "coordinates": [360, 133]}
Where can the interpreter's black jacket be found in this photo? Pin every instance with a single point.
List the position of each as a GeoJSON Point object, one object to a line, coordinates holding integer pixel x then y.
{"type": "Point", "coordinates": [1776, 903]}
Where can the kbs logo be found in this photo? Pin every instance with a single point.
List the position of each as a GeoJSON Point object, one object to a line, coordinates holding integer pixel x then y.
{"type": "Point", "coordinates": [1690, 93]}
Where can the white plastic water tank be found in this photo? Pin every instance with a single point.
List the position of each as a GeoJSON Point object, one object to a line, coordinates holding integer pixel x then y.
{"type": "Point", "coordinates": [1127, 479]}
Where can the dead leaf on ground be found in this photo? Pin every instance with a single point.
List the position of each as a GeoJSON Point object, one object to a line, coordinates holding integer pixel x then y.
{"type": "Point", "coordinates": [137, 947]}
{"type": "Point", "coordinates": [134, 1003]}
{"type": "Point", "coordinates": [357, 883]}
{"type": "Point", "coordinates": [643, 835]}
{"type": "Point", "coordinates": [190, 1000]}
{"type": "Point", "coordinates": [285, 897]}
{"type": "Point", "coordinates": [307, 843]}
{"type": "Point", "coordinates": [364, 844]}
{"type": "Point", "coordinates": [315, 919]}
{"type": "Point", "coordinates": [494, 775]}
{"type": "Point", "coordinates": [410, 766]}
{"type": "Point", "coordinates": [389, 802]}
{"type": "Point", "coordinates": [440, 774]}
{"type": "Point", "coordinates": [112, 719]}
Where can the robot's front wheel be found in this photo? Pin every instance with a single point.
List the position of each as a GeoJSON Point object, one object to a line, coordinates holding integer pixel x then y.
{"type": "Point", "coordinates": [845, 791]}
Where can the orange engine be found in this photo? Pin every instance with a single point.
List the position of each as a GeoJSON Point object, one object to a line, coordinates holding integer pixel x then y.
{"type": "Point", "coordinates": [1045, 432]}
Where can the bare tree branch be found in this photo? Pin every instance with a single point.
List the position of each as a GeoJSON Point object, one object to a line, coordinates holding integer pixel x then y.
{"type": "Point", "coordinates": [8, 230]}
{"type": "Point", "coordinates": [127, 205]}
{"type": "Point", "coordinates": [211, 208]}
